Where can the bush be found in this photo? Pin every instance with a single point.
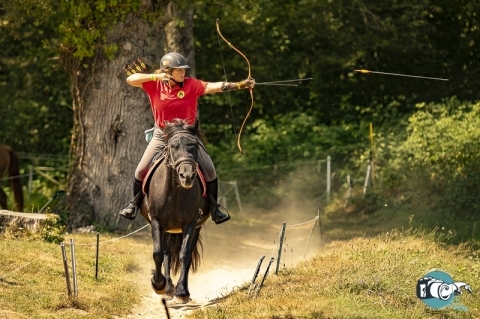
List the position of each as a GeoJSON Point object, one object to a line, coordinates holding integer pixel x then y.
{"type": "Point", "coordinates": [51, 230]}
{"type": "Point", "coordinates": [439, 156]}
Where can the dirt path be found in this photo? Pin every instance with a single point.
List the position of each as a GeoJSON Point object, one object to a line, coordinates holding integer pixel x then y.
{"type": "Point", "coordinates": [230, 256]}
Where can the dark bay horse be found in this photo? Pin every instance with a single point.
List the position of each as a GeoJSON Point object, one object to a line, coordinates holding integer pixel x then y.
{"type": "Point", "coordinates": [176, 209]}
{"type": "Point", "coordinates": [9, 166]}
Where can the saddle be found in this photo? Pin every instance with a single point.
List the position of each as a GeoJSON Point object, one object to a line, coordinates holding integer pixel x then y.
{"type": "Point", "coordinates": [157, 160]}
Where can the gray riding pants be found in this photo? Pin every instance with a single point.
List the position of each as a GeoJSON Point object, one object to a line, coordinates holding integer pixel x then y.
{"type": "Point", "coordinates": [157, 144]}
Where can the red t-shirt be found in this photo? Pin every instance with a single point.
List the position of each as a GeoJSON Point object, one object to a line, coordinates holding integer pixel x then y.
{"type": "Point", "coordinates": [177, 103]}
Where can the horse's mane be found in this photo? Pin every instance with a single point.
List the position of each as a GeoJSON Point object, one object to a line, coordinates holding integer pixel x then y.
{"type": "Point", "coordinates": [181, 125]}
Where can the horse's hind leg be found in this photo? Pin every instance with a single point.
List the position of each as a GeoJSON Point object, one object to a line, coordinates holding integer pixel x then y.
{"type": "Point", "coordinates": [158, 280]}
{"type": "Point", "coordinates": [189, 241]}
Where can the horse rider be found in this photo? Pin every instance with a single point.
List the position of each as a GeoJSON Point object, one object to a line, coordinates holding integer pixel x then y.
{"type": "Point", "coordinates": [174, 96]}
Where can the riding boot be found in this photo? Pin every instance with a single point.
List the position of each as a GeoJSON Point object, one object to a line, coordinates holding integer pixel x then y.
{"type": "Point", "coordinates": [217, 216]}
{"type": "Point", "coordinates": [131, 209]}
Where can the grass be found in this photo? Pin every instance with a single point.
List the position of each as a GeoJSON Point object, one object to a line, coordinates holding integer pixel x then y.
{"type": "Point", "coordinates": [39, 289]}
{"type": "Point", "coordinates": [360, 278]}
{"type": "Point", "coordinates": [367, 267]}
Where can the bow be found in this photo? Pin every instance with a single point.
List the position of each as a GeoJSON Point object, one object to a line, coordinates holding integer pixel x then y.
{"type": "Point", "coordinates": [248, 78]}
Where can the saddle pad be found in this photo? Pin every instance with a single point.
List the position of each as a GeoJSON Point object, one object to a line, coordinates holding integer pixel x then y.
{"type": "Point", "coordinates": [157, 161]}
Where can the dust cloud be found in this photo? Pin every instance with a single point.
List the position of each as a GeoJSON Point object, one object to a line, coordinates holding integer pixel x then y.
{"type": "Point", "coordinates": [231, 251]}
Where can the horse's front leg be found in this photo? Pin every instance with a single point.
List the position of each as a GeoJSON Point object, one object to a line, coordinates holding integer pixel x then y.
{"type": "Point", "coordinates": [167, 262]}
{"type": "Point", "coordinates": [158, 280]}
{"type": "Point", "coordinates": [189, 240]}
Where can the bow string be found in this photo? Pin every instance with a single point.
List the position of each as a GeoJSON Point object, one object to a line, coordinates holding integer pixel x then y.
{"type": "Point", "coordinates": [248, 78]}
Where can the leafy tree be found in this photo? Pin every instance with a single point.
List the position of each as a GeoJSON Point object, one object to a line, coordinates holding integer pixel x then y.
{"type": "Point", "coordinates": [35, 110]}
{"type": "Point", "coordinates": [441, 154]}
{"type": "Point", "coordinates": [94, 41]}
{"type": "Point", "coordinates": [326, 40]}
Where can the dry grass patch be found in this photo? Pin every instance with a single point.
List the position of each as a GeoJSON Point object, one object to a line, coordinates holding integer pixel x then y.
{"type": "Point", "coordinates": [361, 278]}
{"type": "Point", "coordinates": [39, 289]}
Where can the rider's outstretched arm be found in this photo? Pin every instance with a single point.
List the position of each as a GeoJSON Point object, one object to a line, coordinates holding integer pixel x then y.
{"type": "Point", "coordinates": [216, 87]}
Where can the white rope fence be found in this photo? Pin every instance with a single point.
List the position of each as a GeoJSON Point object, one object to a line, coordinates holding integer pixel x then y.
{"type": "Point", "coordinates": [10, 273]}
{"type": "Point", "coordinates": [51, 251]}
{"type": "Point", "coordinates": [226, 289]}
{"type": "Point", "coordinates": [305, 223]}
{"type": "Point", "coordinates": [115, 239]}
{"type": "Point", "coordinates": [234, 285]}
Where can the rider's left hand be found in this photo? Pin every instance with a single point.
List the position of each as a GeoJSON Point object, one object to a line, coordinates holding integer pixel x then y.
{"type": "Point", "coordinates": [250, 83]}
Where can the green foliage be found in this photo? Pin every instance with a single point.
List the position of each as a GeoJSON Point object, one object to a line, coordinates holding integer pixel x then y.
{"type": "Point", "coordinates": [89, 23]}
{"type": "Point", "coordinates": [327, 40]}
{"type": "Point", "coordinates": [288, 126]}
{"type": "Point", "coordinates": [439, 156]}
{"type": "Point", "coordinates": [35, 113]}
{"type": "Point", "coordinates": [51, 230]}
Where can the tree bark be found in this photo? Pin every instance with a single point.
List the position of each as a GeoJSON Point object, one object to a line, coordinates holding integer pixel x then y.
{"type": "Point", "coordinates": [179, 36]}
{"type": "Point", "coordinates": [110, 116]}
{"type": "Point", "coordinates": [25, 221]}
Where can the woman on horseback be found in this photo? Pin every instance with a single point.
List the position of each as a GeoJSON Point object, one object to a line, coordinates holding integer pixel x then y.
{"type": "Point", "coordinates": [174, 96]}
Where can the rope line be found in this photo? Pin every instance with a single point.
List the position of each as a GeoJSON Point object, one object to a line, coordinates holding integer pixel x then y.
{"type": "Point", "coordinates": [13, 177]}
{"type": "Point", "coordinates": [61, 168]}
{"type": "Point", "coordinates": [323, 195]}
{"type": "Point", "coordinates": [218, 290]}
{"type": "Point", "coordinates": [42, 156]}
{"type": "Point", "coordinates": [113, 239]}
{"type": "Point", "coordinates": [279, 165]}
{"type": "Point", "coordinates": [275, 248]}
{"type": "Point", "coordinates": [300, 224]}
{"type": "Point", "coordinates": [6, 275]}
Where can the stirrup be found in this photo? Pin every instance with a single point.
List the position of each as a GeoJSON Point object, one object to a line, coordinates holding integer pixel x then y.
{"type": "Point", "coordinates": [129, 215]}
{"type": "Point", "coordinates": [133, 204]}
{"type": "Point", "coordinates": [218, 216]}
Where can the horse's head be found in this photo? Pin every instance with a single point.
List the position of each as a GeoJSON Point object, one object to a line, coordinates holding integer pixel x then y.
{"type": "Point", "coordinates": [183, 145]}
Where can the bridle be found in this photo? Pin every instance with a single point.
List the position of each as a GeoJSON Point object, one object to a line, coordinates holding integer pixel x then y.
{"type": "Point", "coordinates": [185, 158]}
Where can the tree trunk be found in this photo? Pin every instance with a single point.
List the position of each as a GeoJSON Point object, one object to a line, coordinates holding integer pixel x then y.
{"type": "Point", "coordinates": [180, 39]}
{"type": "Point", "coordinates": [11, 221]}
{"type": "Point", "coordinates": [110, 116]}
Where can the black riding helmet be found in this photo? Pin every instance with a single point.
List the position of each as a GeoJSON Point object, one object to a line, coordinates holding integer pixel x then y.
{"type": "Point", "coordinates": [173, 60]}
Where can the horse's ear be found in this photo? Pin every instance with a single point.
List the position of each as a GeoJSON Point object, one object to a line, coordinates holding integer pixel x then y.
{"type": "Point", "coordinates": [197, 124]}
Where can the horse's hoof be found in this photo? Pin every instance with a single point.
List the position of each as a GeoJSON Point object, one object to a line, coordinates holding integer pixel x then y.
{"type": "Point", "coordinates": [159, 289]}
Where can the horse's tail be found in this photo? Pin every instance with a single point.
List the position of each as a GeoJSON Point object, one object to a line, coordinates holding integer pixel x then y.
{"type": "Point", "coordinates": [175, 243]}
{"type": "Point", "coordinates": [15, 183]}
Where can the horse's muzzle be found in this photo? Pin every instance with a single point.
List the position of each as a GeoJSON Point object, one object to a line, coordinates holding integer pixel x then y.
{"type": "Point", "coordinates": [187, 172]}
